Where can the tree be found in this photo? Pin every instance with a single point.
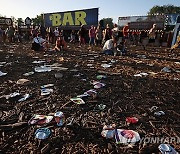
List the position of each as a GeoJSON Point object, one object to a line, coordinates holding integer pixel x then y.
{"type": "Point", "coordinates": [38, 20]}
{"type": "Point", "coordinates": [165, 9]}
{"type": "Point", "coordinates": [13, 19]}
{"type": "Point", "coordinates": [106, 21]}
{"type": "Point", "coordinates": [2, 16]}
{"type": "Point", "coordinates": [20, 21]}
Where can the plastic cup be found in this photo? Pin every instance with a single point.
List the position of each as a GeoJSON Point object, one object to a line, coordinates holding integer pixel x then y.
{"type": "Point", "coordinates": [59, 118]}
{"type": "Point", "coordinates": [42, 133]}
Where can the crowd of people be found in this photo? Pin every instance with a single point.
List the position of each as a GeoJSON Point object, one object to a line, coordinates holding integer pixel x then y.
{"type": "Point", "coordinates": [112, 40]}
{"type": "Point", "coordinates": [11, 34]}
{"type": "Point", "coordinates": [95, 36]}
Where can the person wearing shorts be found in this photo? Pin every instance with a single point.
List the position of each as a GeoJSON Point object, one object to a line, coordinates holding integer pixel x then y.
{"type": "Point", "coordinates": [152, 35]}
{"type": "Point", "coordinates": [126, 34]}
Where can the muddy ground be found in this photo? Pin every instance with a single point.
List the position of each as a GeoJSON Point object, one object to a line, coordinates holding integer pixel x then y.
{"type": "Point", "coordinates": [124, 95]}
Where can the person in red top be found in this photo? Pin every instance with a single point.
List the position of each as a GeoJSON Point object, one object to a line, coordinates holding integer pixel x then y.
{"type": "Point", "coordinates": [60, 44]}
{"type": "Point", "coordinates": [126, 33]}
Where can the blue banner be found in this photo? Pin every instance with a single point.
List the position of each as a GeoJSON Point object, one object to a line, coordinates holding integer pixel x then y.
{"type": "Point", "coordinates": [72, 18]}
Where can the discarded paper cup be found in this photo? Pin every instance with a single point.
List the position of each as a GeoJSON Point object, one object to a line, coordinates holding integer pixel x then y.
{"type": "Point", "coordinates": [100, 107]}
{"type": "Point", "coordinates": [100, 77]}
{"type": "Point", "coordinates": [137, 75]}
{"type": "Point", "coordinates": [61, 59]}
{"type": "Point", "coordinates": [62, 69]}
{"type": "Point", "coordinates": [89, 65]}
{"type": "Point", "coordinates": [93, 82]}
{"type": "Point", "coordinates": [58, 75]}
{"type": "Point", "coordinates": [99, 85]}
{"type": "Point", "coordinates": [77, 100]}
{"type": "Point", "coordinates": [153, 108]}
{"type": "Point", "coordinates": [2, 74]}
{"type": "Point", "coordinates": [106, 65]}
{"type": "Point", "coordinates": [42, 133]}
{"type": "Point", "coordinates": [25, 97]}
{"type": "Point", "coordinates": [141, 75]}
{"type": "Point", "coordinates": [59, 118]}
{"type": "Point", "coordinates": [74, 70]}
{"type": "Point", "coordinates": [47, 85]}
{"type": "Point", "coordinates": [159, 113]}
{"type": "Point", "coordinates": [144, 74]}
{"type": "Point", "coordinates": [42, 69]}
{"type": "Point", "coordinates": [12, 95]}
{"type": "Point", "coordinates": [38, 62]}
{"type": "Point", "coordinates": [109, 134]}
{"type": "Point", "coordinates": [166, 69]}
{"type": "Point", "coordinates": [166, 149]}
{"type": "Point", "coordinates": [141, 56]}
{"type": "Point", "coordinates": [82, 95]}
{"type": "Point", "coordinates": [91, 93]}
{"type": "Point", "coordinates": [23, 81]}
{"type": "Point", "coordinates": [28, 74]}
{"type": "Point", "coordinates": [113, 61]}
{"type": "Point", "coordinates": [45, 91]}
{"type": "Point", "coordinates": [108, 131]}
{"type": "Point", "coordinates": [2, 63]}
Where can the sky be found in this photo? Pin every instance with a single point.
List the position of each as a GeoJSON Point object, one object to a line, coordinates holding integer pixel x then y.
{"type": "Point", "coordinates": [107, 8]}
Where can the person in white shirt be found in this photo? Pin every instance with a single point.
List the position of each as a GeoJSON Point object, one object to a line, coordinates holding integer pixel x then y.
{"type": "Point", "coordinates": [110, 46]}
{"type": "Point", "coordinates": [56, 33]}
{"type": "Point", "coordinates": [113, 47]}
{"type": "Point", "coordinates": [39, 44]}
{"type": "Point", "coordinates": [39, 40]}
{"type": "Point", "coordinates": [116, 28]}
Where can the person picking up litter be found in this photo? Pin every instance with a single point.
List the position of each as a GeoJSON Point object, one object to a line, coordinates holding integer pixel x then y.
{"type": "Point", "coordinates": [113, 46]}
{"type": "Point", "coordinates": [60, 44]}
{"type": "Point", "coordinates": [110, 46]}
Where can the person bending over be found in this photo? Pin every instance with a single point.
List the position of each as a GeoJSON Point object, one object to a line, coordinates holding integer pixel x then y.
{"type": "Point", "coordinates": [60, 44]}
{"type": "Point", "coordinates": [110, 46]}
